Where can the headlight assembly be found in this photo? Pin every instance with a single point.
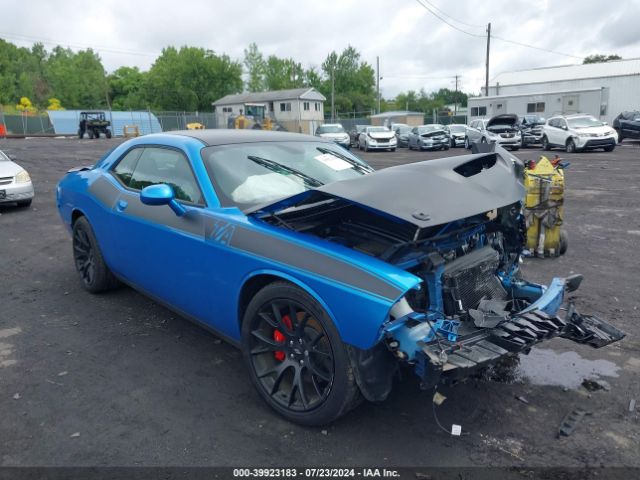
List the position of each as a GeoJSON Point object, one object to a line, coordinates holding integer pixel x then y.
{"type": "Point", "coordinates": [23, 177]}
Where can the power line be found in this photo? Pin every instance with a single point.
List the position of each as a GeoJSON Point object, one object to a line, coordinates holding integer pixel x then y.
{"type": "Point", "coordinates": [484, 36]}
{"type": "Point", "coordinates": [445, 21]}
{"type": "Point", "coordinates": [47, 41]}
{"type": "Point", "coordinates": [473, 25]}
{"type": "Point", "coordinates": [537, 48]}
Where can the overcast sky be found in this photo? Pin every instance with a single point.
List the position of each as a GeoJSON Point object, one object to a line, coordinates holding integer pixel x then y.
{"type": "Point", "coordinates": [416, 49]}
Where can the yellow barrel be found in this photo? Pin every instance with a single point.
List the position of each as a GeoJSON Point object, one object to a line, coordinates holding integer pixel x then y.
{"type": "Point", "coordinates": [544, 208]}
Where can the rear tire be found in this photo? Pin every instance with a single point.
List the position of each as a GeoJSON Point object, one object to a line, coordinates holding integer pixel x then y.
{"type": "Point", "coordinates": [93, 271]}
{"type": "Point", "coordinates": [295, 356]}
{"type": "Point", "coordinates": [620, 137]}
{"type": "Point", "coordinates": [107, 134]}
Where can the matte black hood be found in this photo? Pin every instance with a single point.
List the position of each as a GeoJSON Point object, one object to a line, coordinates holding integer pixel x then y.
{"type": "Point", "coordinates": [507, 119]}
{"type": "Point", "coordinates": [428, 193]}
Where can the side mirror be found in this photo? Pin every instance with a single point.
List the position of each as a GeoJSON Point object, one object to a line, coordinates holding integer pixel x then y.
{"type": "Point", "coordinates": [161, 194]}
{"type": "Point", "coordinates": [565, 127]}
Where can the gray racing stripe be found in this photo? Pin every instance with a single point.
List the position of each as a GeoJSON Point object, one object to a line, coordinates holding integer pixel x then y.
{"type": "Point", "coordinates": [191, 222]}
{"type": "Point", "coordinates": [104, 191]}
{"type": "Point", "coordinates": [311, 261]}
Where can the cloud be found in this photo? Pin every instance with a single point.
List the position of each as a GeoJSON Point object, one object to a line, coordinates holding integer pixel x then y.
{"type": "Point", "coordinates": [416, 49]}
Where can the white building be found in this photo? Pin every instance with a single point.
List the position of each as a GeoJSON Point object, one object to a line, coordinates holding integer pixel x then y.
{"type": "Point", "coordinates": [600, 89]}
{"type": "Point", "coordinates": [297, 110]}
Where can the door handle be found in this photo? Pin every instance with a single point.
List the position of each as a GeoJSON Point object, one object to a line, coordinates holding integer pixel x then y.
{"type": "Point", "coordinates": [122, 205]}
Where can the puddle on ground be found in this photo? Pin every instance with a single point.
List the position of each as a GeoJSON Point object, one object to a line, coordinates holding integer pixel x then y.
{"type": "Point", "coordinates": [564, 369]}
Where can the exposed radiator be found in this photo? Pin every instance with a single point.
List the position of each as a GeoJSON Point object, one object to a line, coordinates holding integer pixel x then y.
{"type": "Point", "coordinates": [468, 279]}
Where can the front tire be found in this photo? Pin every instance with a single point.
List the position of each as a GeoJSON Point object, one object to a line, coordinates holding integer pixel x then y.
{"type": "Point", "coordinates": [571, 146]}
{"type": "Point", "coordinates": [609, 148]}
{"type": "Point", "coordinates": [25, 203]}
{"type": "Point", "coordinates": [93, 271]}
{"type": "Point", "coordinates": [545, 143]}
{"type": "Point", "coordinates": [295, 356]}
{"type": "Point", "coordinates": [467, 144]}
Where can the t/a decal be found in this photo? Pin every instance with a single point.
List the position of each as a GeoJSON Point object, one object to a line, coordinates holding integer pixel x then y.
{"type": "Point", "coordinates": [222, 232]}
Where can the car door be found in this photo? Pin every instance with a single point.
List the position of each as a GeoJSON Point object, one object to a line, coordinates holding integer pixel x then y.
{"type": "Point", "coordinates": [474, 132]}
{"type": "Point", "coordinates": [552, 131]}
{"type": "Point", "coordinates": [560, 132]}
{"type": "Point", "coordinates": [413, 136]}
{"type": "Point", "coordinates": [157, 250]}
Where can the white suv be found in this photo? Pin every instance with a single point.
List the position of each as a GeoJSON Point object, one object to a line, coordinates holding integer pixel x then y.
{"type": "Point", "coordinates": [578, 132]}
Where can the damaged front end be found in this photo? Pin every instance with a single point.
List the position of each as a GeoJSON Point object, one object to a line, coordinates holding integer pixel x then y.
{"type": "Point", "coordinates": [457, 224]}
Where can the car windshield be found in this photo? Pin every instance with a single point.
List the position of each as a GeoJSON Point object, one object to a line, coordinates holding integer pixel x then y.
{"type": "Point", "coordinates": [428, 128]}
{"type": "Point", "coordinates": [584, 122]}
{"type": "Point", "coordinates": [360, 128]}
{"type": "Point", "coordinates": [533, 120]}
{"type": "Point", "coordinates": [330, 129]}
{"type": "Point", "coordinates": [457, 128]}
{"type": "Point", "coordinates": [377, 129]}
{"type": "Point", "coordinates": [403, 129]}
{"type": "Point", "coordinates": [252, 174]}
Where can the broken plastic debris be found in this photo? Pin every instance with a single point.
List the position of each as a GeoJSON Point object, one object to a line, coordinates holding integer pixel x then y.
{"type": "Point", "coordinates": [62, 374]}
{"type": "Point", "coordinates": [456, 430]}
{"type": "Point", "coordinates": [16, 396]}
{"type": "Point", "coordinates": [522, 399]}
{"type": "Point", "coordinates": [438, 398]}
{"type": "Point", "coordinates": [75, 435]}
{"type": "Point", "coordinates": [632, 404]}
{"type": "Point", "coordinates": [570, 422]}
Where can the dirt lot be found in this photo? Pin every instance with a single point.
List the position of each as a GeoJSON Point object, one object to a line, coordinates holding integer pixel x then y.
{"type": "Point", "coordinates": [116, 379]}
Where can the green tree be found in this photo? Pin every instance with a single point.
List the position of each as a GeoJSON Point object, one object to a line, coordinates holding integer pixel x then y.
{"type": "Point", "coordinates": [598, 58]}
{"type": "Point", "coordinates": [255, 65]}
{"type": "Point", "coordinates": [191, 79]}
{"type": "Point", "coordinates": [77, 79]}
{"type": "Point", "coordinates": [126, 89]}
{"type": "Point", "coordinates": [354, 81]}
{"type": "Point", "coordinates": [283, 73]}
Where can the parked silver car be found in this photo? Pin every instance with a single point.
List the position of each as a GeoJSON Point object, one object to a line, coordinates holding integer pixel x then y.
{"type": "Point", "coordinates": [502, 130]}
{"type": "Point", "coordinates": [456, 135]}
{"type": "Point", "coordinates": [429, 137]}
{"type": "Point", "coordinates": [377, 138]}
{"type": "Point", "coordinates": [335, 132]}
{"type": "Point", "coordinates": [15, 183]}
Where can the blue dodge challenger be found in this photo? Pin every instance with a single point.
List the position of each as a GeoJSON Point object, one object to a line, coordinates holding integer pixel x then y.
{"type": "Point", "coordinates": [326, 274]}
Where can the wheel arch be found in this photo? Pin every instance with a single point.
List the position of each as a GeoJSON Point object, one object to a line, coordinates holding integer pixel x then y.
{"type": "Point", "coordinates": [76, 213]}
{"type": "Point", "coordinates": [259, 279]}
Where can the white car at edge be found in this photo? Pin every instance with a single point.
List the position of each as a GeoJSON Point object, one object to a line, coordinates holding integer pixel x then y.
{"type": "Point", "coordinates": [15, 183]}
{"type": "Point", "coordinates": [578, 132]}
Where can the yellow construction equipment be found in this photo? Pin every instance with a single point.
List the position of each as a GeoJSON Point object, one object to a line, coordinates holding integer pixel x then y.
{"type": "Point", "coordinates": [544, 207]}
{"type": "Point", "coordinates": [195, 126]}
{"type": "Point", "coordinates": [254, 117]}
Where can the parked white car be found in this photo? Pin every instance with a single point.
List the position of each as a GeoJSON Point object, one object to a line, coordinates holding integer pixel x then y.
{"type": "Point", "coordinates": [335, 132]}
{"type": "Point", "coordinates": [377, 138]}
{"type": "Point", "coordinates": [578, 132]}
{"type": "Point", "coordinates": [15, 183]}
{"type": "Point", "coordinates": [502, 130]}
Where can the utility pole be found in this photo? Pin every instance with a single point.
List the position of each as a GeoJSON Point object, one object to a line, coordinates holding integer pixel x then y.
{"type": "Point", "coordinates": [333, 93]}
{"type": "Point", "coordinates": [455, 98]}
{"type": "Point", "coordinates": [486, 78]}
{"type": "Point", "coordinates": [378, 82]}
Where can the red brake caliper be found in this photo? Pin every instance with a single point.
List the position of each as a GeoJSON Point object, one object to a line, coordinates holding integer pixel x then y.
{"type": "Point", "coordinates": [280, 338]}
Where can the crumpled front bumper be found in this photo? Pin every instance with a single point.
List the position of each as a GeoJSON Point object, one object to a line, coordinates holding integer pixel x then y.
{"type": "Point", "coordinates": [443, 355]}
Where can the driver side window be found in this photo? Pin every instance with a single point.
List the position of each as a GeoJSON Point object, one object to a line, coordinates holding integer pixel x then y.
{"type": "Point", "coordinates": [142, 167]}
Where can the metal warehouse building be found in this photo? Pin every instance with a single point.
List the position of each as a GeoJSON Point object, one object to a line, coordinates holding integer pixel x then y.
{"type": "Point", "coordinates": [601, 89]}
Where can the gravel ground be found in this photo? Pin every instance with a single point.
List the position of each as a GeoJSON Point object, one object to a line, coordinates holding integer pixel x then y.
{"type": "Point", "coordinates": [116, 379]}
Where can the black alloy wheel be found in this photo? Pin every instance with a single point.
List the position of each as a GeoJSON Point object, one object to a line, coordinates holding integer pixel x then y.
{"type": "Point", "coordinates": [296, 359]}
{"type": "Point", "coordinates": [93, 271]}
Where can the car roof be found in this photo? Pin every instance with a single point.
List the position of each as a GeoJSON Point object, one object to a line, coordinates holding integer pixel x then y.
{"type": "Point", "coordinates": [212, 137]}
{"type": "Point", "coordinates": [331, 125]}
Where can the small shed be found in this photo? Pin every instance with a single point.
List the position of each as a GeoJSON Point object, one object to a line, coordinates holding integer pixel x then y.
{"type": "Point", "coordinates": [413, 119]}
